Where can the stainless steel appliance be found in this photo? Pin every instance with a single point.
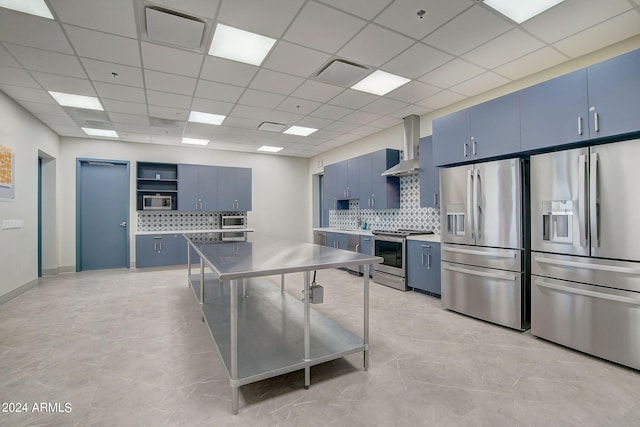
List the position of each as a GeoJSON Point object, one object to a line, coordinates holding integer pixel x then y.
{"type": "Point", "coordinates": [233, 221]}
{"type": "Point", "coordinates": [156, 202]}
{"type": "Point", "coordinates": [483, 242]}
{"type": "Point", "coordinates": [391, 245]}
{"type": "Point", "coordinates": [585, 250]}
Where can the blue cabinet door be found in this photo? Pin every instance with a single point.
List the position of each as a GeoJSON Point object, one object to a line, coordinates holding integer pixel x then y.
{"type": "Point", "coordinates": [365, 181]}
{"type": "Point", "coordinates": [366, 247]}
{"type": "Point", "coordinates": [208, 187]}
{"type": "Point", "coordinates": [226, 188]}
{"type": "Point", "coordinates": [329, 184]}
{"type": "Point", "coordinates": [337, 240]}
{"type": "Point", "coordinates": [353, 178]}
{"type": "Point", "coordinates": [385, 192]}
{"type": "Point", "coordinates": [188, 198]}
{"type": "Point", "coordinates": [416, 273]}
{"type": "Point", "coordinates": [341, 171]}
{"type": "Point", "coordinates": [614, 95]}
{"type": "Point", "coordinates": [555, 112]}
{"type": "Point", "coordinates": [495, 127]}
{"type": "Point", "coordinates": [159, 250]}
{"type": "Point", "coordinates": [451, 138]}
{"type": "Point", "coordinates": [243, 189]}
{"type": "Point", "coordinates": [429, 175]}
{"type": "Point", "coordinates": [433, 268]}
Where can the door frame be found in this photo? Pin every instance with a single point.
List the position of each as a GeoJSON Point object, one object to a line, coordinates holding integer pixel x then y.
{"type": "Point", "coordinates": [79, 162]}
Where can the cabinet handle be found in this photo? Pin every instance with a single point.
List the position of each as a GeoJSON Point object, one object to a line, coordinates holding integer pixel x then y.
{"type": "Point", "coordinates": [465, 149]}
{"type": "Point", "coordinates": [348, 191]}
{"type": "Point", "coordinates": [160, 249]}
{"type": "Point", "coordinates": [155, 247]}
{"type": "Point", "coordinates": [373, 202]}
{"type": "Point", "coordinates": [428, 261]}
{"type": "Point", "coordinates": [358, 247]}
{"type": "Point", "coordinates": [196, 205]}
{"type": "Point", "coordinates": [579, 125]}
{"type": "Point", "coordinates": [596, 124]}
{"type": "Point", "coordinates": [425, 246]}
{"type": "Point", "coordinates": [473, 144]}
{"type": "Point", "coordinates": [422, 259]}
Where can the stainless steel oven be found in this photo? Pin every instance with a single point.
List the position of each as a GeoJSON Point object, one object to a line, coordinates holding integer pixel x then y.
{"type": "Point", "coordinates": [392, 249]}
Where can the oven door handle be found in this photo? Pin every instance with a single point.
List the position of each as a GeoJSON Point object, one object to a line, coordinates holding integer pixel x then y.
{"type": "Point", "coordinates": [509, 277]}
{"type": "Point", "coordinates": [481, 253]}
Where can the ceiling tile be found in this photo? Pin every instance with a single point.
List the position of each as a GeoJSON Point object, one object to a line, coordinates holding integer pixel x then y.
{"type": "Point", "coordinates": [283, 117]}
{"type": "Point", "coordinates": [561, 21]}
{"type": "Point", "coordinates": [340, 126]}
{"type": "Point", "coordinates": [614, 30]}
{"type": "Point", "coordinates": [402, 15]}
{"type": "Point", "coordinates": [48, 62]}
{"type": "Point", "coordinates": [479, 84]}
{"type": "Point", "coordinates": [352, 98]}
{"type": "Point", "coordinates": [532, 63]}
{"type": "Point", "coordinates": [170, 60]}
{"type": "Point", "coordinates": [201, 8]}
{"type": "Point", "coordinates": [102, 46]}
{"type": "Point", "coordinates": [317, 91]}
{"type": "Point", "coordinates": [33, 31]}
{"type": "Point", "coordinates": [49, 109]}
{"type": "Point", "coordinates": [169, 82]}
{"type": "Point", "coordinates": [387, 45]}
{"type": "Point", "coordinates": [64, 84]}
{"type": "Point", "coordinates": [113, 105]}
{"type": "Point", "coordinates": [56, 120]}
{"type": "Point", "coordinates": [314, 122]}
{"type": "Point", "coordinates": [224, 71]}
{"type": "Point", "coordinates": [384, 106]}
{"type": "Point", "coordinates": [269, 18]}
{"type": "Point", "coordinates": [366, 9]}
{"type": "Point", "coordinates": [360, 117]}
{"type": "Point", "coordinates": [17, 77]}
{"type": "Point", "coordinates": [103, 72]}
{"type": "Point", "coordinates": [272, 81]}
{"type": "Point", "coordinates": [249, 112]}
{"type": "Point", "coordinates": [129, 119]}
{"type": "Point", "coordinates": [293, 59]}
{"type": "Point", "coordinates": [211, 106]}
{"type": "Point", "coordinates": [412, 92]}
{"type": "Point", "coordinates": [365, 131]}
{"type": "Point", "coordinates": [120, 92]}
{"type": "Point", "coordinates": [241, 122]}
{"type": "Point", "coordinates": [168, 113]}
{"type": "Point", "coordinates": [451, 73]}
{"type": "Point", "coordinates": [416, 61]}
{"type": "Point", "coordinates": [258, 98]}
{"type": "Point", "coordinates": [404, 112]}
{"type": "Point", "coordinates": [469, 30]}
{"type": "Point", "coordinates": [504, 48]}
{"type": "Point", "coordinates": [166, 99]}
{"type": "Point", "coordinates": [134, 137]}
{"type": "Point", "coordinates": [218, 91]}
{"type": "Point", "coordinates": [198, 130]}
{"type": "Point", "coordinates": [441, 99]}
{"type": "Point", "coordinates": [6, 59]}
{"type": "Point", "coordinates": [113, 16]}
{"type": "Point", "coordinates": [386, 122]}
{"type": "Point", "coordinates": [323, 28]}
{"type": "Point", "coordinates": [334, 112]}
{"type": "Point", "coordinates": [298, 106]}
{"type": "Point", "coordinates": [27, 94]}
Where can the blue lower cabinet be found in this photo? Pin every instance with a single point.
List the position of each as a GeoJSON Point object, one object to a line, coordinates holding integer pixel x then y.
{"type": "Point", "coordinates": [337, 240]}
{"type": "Point", "coordinates": [423, 266]}
{"type": "Point", "coordinates": [160, 250]}
{"type": "Point", "coordinates": [366, 247]}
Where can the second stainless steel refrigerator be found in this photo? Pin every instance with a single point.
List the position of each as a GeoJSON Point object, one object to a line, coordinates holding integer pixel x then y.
{"type": "Point", "coordinates": [483, 235]}
{"type": "Point", "coordinates": [585, 250]}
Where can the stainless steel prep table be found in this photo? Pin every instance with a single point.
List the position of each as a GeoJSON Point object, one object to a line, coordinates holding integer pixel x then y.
{"type": "Point", "coordinates": [260, 330]}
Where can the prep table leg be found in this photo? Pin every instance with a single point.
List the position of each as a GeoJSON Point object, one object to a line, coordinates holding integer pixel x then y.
{"type": "Point", "coordinates": [234, 346]}
{"type": "Point", "coordinates": [282, 283]}
{"type": "Point", "coordinates": [307, 327]}
{"type": "Point", "coordinates": [201, 281]}
{"type": "Point", "coordinates": [366, 316]}
{"type": "Point", "coordinates": [188, 264]}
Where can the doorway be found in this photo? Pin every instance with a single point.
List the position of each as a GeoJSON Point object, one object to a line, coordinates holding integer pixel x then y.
{"type": "Point", "coordinates": [102, 213]}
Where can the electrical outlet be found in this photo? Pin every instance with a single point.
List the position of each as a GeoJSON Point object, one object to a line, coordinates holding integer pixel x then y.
{"type": "Point", "coordinates": [12, 224]}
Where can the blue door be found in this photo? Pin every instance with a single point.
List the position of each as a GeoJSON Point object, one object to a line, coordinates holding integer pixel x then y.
{"type": "Point", "coordinates": [102, 200]}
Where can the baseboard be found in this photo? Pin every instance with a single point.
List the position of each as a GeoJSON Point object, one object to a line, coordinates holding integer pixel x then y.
{"type": "Point", "coordinates": [17, 291]}
{"type": "Point", "coordinates": [50, 271]}
{"type": "Point", "coordinates": [67, 269]}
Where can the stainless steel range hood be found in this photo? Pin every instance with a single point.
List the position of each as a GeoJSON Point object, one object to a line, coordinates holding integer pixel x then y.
{"type": "Point", "coordinates": [409, 163]}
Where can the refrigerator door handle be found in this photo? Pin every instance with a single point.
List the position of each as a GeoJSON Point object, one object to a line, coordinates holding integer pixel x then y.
{"type": "Point", "coordinates": [617, 298]}
{"type": "Point", "coordinates": [510, 277]}
{"type": "Point", "coordinates": [594, 211]}
{"type": "Point", "coordinates": [477, 204]}
{"type": "Point", "coordinates": [470, 200]}
{"type": "Point", "coordinates": [481, 253]}
{"type": "Point", "coordinates": [582, 200]}
{"type": "Point", "coordinates": [586, 266]}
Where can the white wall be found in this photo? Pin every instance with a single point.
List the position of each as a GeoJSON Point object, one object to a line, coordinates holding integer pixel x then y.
{"type": "Point", "coordinates": [19, 247]}
{"type": "Point", "coordinates": [281, 206]}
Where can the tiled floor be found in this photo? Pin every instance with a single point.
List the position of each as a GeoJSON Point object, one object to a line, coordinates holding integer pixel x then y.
{"type": "Point", "coordinates": [128, 348]}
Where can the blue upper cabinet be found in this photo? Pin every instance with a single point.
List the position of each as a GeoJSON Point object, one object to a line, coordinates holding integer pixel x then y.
{"type": "Point", "coordinates": [385, 190]}
{"type": "Point", "coordinates": [614, 95]}
{"type": "Point", "coordinates": [429, 176]}
{"type": "Point", "coordinates": [234, 189]}
{"type": "Point", "coordinates": [197, 188]}
{"type": "Point", "coordinates": [555, 112]}
{"type": "Point", "coordinates": [486, 130]}
{"type": "Point", "coordinates": [353, 179]}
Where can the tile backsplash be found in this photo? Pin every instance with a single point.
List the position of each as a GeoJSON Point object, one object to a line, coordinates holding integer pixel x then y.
{"type": "Point", "coordinates": [179, 220]}
{"type": "Point", "coordinates": [409, 216]}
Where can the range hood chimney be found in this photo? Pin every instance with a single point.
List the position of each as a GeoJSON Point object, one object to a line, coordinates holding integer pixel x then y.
{"type": "Point", "coordinates": [409, 163]}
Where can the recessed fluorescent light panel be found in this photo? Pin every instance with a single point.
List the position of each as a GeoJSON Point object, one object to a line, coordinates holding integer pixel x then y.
{"type": "Point", "coordinates": [77, 101]}
{"type": "Point", "coordinates": [300, 131]}
{"type": "Point", "coordinates": [380, 83]}
{"type": "Point", "coordinates": [195, 141]}
{"type": "Point", "coordinates": [521, 10]}
{"type": "Point", "coordinates": [239, 45]}
{"type": "Point", "coordinates": [100, 132]}
{"type": "Point", "coordinates": [32, 7]}
{"type": "Point", "coordinates": [212, 119]}
{"type": "Point", "coordinates": [270, 149]}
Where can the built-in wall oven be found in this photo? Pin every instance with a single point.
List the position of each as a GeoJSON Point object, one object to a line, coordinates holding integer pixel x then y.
{"type": "Point", "coordinates": [391, 246]}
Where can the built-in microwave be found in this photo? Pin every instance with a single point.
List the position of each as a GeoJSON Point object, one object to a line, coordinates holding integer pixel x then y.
{"type": "Point", "coordinates": [235, 221]}
{"type": "Point", "coordinates": [156, 202]}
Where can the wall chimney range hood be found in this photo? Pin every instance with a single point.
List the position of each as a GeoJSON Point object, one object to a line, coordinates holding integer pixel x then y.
{"type": "Point", "coordinates": [409, 163]}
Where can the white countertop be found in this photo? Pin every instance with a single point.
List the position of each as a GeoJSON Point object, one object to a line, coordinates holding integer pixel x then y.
{"type": "Point", "coordinates": [216, 230]}
{"type": "Point", "coordinates": [435, 238]}
{"type": "Point", "coordinates": [345, 231]}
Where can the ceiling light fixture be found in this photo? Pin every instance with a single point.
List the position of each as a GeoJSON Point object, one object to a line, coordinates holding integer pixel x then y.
{"type": "Point", "coordinates": [521, 10]}
{"type": "Point", "coordinates": [211, 119]}
{"type": "Point", "coordinates": [300, 131]}
{"type": "Point", "coordinates": [270, 149]}
{"type": "Point", "coordinates": [195, 141]}
{"type": "Point", "coordinates": [380, 83]}
{"type": "Point", "coordinates": [32, 7]}
{"type": "Point", "coordinates": [100, 132]}
{"type": "Point", "coordinates": [239, 45]}
{"type": "Point", "coordinates": [77, 101]}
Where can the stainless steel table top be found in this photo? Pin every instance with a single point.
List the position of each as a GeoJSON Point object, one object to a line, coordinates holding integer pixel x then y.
{"type": "Point", "coordinates": [263, 256]}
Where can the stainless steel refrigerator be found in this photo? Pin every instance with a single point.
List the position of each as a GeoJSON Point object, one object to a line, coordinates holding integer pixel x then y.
{"type": "Point", "coordinates": [483, 242]}
{"type": "Point", "coordinates": [585, 250]}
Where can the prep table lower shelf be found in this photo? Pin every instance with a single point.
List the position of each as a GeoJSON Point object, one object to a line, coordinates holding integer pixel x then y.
{"type": "Point", "coordinates": [270, 329]}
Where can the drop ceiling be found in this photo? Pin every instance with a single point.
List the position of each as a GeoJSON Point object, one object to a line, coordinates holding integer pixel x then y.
{"type": "Point", "coordinates": [458, 49]}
